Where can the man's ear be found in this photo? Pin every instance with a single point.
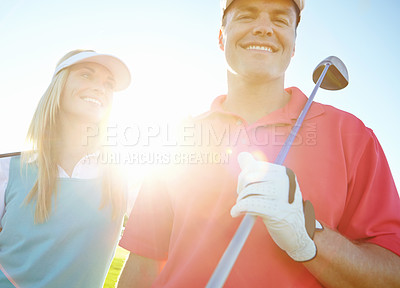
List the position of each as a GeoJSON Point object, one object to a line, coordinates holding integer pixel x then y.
{"type": "Point", "coordinates": [221, 40]}
{"type": "Point", "coordinates": [294, 50]}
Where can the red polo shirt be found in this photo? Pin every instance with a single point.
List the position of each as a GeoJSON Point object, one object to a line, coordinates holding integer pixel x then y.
{"type": "Point", "coordinates": [182, 215]}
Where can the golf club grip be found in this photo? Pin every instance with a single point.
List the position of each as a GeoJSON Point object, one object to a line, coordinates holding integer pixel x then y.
{"type": "Point", "coordinates": [231, 253]}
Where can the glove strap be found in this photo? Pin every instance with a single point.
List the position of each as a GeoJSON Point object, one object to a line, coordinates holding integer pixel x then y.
{"type": "Point", "coordinates": [309, 217]}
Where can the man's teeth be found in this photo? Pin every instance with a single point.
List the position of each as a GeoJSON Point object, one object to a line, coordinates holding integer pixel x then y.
{"type": "Point", "coordinates": [92, 100]}
{"type": "Point", "coordinates": [262, 48]}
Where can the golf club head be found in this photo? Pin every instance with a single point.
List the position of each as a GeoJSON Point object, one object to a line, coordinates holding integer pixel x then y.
{"type": "Point", "coordinates": [336, 77]}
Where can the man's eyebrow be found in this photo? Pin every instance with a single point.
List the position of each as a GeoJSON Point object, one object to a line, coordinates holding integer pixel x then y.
{"type": "Point", "coordinates": [277, 11]}
{"type": "Point", "coordinates": [287, 12]}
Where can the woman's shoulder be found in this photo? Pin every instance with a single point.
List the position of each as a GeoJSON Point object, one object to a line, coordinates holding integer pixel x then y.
{"type": "Point", "coordinates": [5, 161]}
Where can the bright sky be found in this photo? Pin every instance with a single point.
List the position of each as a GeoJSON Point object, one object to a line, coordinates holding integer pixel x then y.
{"type": "Point", "coordinates": [177, 67]}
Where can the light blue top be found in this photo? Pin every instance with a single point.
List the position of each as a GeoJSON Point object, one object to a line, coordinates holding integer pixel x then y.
{"type": "Point", "coordinates": [74, 248]}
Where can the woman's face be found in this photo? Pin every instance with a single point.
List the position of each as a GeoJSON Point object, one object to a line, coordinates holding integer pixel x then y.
{"type": "Point", "coordinates": [87, 94]}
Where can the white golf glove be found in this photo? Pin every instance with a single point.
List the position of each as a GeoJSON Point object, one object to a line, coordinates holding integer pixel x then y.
{"type": "Point", "coordinates": [271, 191]}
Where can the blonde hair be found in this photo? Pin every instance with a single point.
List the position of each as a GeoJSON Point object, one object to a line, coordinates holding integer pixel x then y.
{"type": "Point", "coordinates": [42, 135]}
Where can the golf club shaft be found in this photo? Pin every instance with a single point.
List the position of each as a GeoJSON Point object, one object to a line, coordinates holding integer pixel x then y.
{"type": "Point", "coordinates": [10, 154]}
{"type": "Point", "coordinates": [289, 141]}
{"type": "Point", "coordinates": [227, 261]}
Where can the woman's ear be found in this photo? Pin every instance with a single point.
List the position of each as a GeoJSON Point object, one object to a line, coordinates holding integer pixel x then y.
{"type": "Point", "coordinates": [221, 40]}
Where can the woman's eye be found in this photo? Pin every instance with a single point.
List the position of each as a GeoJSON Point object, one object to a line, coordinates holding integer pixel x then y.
{"type": "Point", "coordinates": [110, 85]}
{"type": "Point", "coordinates": [85, 75]}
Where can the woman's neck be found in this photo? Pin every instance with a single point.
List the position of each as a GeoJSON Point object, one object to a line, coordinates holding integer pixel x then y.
{"type": "Point", "coordinates": [75, 140]}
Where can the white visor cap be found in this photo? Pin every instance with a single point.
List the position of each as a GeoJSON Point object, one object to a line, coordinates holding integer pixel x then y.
{"type": "Point", "coordinates": [118, 69]}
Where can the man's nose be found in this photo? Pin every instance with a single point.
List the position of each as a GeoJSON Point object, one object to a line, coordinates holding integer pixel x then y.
{"type": "Point", "coordinates": [263, 26]}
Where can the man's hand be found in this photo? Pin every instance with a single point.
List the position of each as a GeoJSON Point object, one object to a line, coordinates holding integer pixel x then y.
{"type": "Point", "coordinates": [271, 191]}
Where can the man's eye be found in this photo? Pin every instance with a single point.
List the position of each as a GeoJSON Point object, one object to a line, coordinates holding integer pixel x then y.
{"type": "Point", "coordinates": [282, 21]}
{"type": "Point", "coordinates": [85, 75]}
{"type": "Point", "coordinates": [244, 16]}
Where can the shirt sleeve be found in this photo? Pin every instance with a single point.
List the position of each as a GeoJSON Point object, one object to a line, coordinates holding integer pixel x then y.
{"type": "Point", "coordinates": [373, 204]}
{"type": "Point", "coordinates": [148, 230]}
{"type": "Point", "coordinates": [4, 174]}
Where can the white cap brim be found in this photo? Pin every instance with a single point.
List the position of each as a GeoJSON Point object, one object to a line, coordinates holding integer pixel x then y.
{"type": "Point", "coordinates": [225, 4]}
{"type": "Point", "coordinates": [117, 68]}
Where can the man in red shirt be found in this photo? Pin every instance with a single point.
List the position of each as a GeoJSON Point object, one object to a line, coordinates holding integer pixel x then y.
{"type": "Point", "coordinates": [182, 220]}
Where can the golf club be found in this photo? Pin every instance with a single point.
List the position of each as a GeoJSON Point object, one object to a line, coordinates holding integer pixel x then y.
{"type": "Point", "coordinates": [330, 74]}
{"type": "Point", "coordinates": [10, 154]}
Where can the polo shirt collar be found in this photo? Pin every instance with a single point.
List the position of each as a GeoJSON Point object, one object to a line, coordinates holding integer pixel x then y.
{"type": "Point", "coordinates": [285, 115]}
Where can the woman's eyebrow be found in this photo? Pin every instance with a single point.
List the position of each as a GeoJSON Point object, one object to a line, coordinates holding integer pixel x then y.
{"type": "Point", "coordinates": [88, 68]}
{"type": "Point", "coordinates": [110, 77]}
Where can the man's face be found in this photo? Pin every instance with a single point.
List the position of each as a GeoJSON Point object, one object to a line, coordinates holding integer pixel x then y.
{"type": "Point", "coordinates": [259, 38]}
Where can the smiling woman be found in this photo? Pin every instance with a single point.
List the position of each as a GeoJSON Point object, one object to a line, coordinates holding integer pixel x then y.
{"type": "Point", "coordinates": [87, 95]}
{"type": "Point", "coordinates": [66, 205]}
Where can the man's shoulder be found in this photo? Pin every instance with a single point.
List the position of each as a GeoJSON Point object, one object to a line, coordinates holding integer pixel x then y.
{"type": "Point", "coordinates": [341, 117]}
{"type": "Point", "coordinates": [216, 106]}
{"type": "Point", "coordinates": [345, 126]}
{"type": "Point", "coordinates": [200, 118]}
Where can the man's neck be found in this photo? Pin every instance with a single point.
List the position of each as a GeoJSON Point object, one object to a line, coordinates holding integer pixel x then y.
{"type": "Point", "coordinates": [254, 100]}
